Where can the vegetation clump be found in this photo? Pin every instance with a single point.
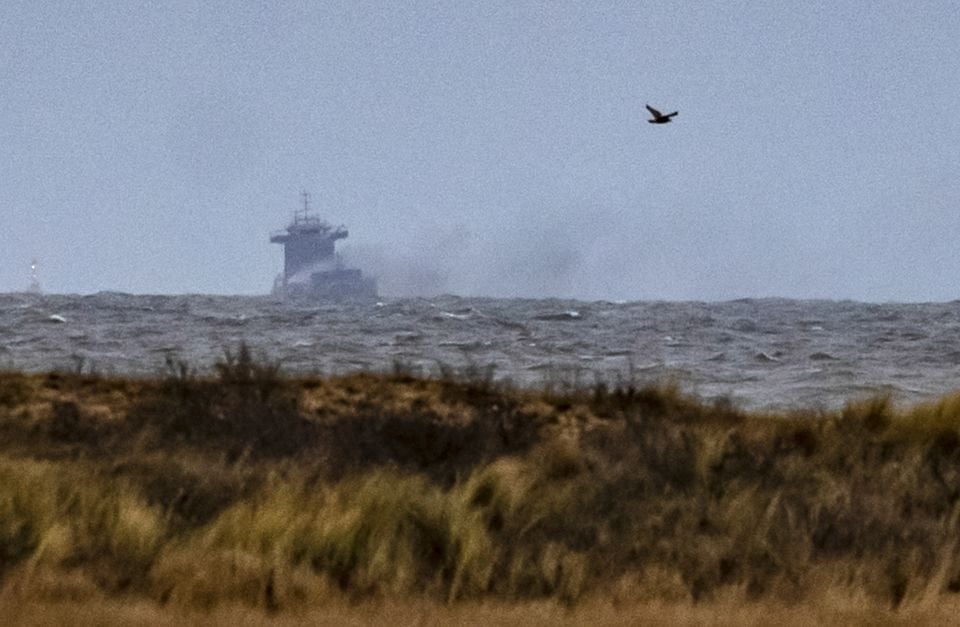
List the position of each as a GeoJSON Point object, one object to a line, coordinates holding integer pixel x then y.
{"type": "Point", "coordinates": [279, 492]}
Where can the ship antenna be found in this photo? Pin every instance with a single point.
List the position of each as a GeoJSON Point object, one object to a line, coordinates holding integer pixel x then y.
{"type": "Point", "coordinates": [306, 204]}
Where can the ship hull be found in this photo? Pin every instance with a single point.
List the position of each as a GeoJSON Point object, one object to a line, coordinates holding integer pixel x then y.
{"type": "Point", "coordinates": [343, 284]}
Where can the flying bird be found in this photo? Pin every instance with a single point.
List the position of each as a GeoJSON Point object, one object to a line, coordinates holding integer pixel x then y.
{"type": "Point", "coordinates": [659, 118]}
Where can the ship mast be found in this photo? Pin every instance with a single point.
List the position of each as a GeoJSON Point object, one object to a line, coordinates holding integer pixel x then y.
{"type": "Point", "coordinates": [305, 195]}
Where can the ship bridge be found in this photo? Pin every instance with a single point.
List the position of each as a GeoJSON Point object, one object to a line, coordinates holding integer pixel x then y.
{"type": "Point", "coordinates": [308, 242]}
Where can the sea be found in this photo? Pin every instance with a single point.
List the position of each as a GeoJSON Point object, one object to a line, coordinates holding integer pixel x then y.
{"type": "Point", "coordinates": [776, 354]}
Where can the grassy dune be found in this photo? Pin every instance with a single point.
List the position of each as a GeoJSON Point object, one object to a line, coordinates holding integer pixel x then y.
{"type": "Point", "coordinates": [246, 494]}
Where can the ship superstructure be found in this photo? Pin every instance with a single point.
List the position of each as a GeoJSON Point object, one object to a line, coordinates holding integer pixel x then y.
{"type": "Point", "coordinates": [312, 269]}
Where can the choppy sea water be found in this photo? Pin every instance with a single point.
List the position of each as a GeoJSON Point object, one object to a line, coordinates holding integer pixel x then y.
{"type": "Point", "coordinates": [772, 353]}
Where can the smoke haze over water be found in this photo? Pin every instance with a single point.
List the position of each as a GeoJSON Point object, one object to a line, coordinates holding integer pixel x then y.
{"type": "Point", "coordinates": [488, 148]}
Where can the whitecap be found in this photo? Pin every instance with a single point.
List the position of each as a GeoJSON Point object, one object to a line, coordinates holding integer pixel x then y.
{"type": "Point", "coordinates": [455, 316]}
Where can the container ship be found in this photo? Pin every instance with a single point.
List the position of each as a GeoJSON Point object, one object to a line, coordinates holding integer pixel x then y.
{"type": "Point", "coordinates": [312, 269]}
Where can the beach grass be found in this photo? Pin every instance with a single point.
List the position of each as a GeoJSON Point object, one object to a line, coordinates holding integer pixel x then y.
{"type": "Point", "coordinates": [246, 495]}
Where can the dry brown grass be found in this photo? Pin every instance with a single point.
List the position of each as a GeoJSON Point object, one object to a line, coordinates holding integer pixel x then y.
{"type": "Point", "coordinates": [830, 611]}
{"type": "Point", "coordinates": [247, 494]}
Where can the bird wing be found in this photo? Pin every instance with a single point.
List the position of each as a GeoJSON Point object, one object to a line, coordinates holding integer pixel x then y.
{"type": "Point", "coordinates": [654, 112]}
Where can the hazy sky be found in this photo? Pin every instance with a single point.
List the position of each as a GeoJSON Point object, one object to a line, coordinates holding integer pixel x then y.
{"type": "Point", "coordinates": [489, 148]}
